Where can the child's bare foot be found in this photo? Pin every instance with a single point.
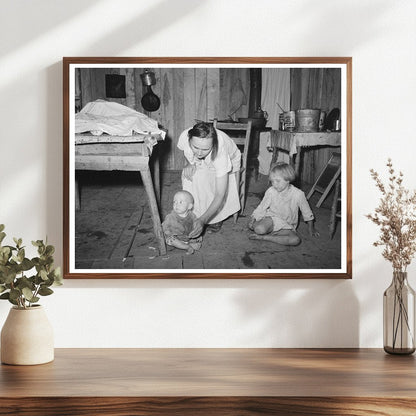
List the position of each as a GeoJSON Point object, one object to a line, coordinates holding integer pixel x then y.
{"type": "Point", "coordinates": [195, 246]}
{"type": "Point", "coordinates": [190, 250]}
{"type": "Point", "coordinates": [254, 236]}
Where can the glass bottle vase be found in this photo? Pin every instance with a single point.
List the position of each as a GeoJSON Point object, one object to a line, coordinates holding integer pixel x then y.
{"type": "Point", "coordinates": [399, 316]}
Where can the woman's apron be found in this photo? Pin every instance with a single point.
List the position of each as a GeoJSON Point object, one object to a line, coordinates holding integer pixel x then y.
{"type": "Point", "coordinates": [202, 187]}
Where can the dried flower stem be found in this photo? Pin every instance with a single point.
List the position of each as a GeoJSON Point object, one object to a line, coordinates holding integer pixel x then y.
{"type": "Point", "coordinates": [396, 216]}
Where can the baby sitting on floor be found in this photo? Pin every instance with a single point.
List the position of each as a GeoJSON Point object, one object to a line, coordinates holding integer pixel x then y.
{"type": "Point", "coordinates": [180, 222]}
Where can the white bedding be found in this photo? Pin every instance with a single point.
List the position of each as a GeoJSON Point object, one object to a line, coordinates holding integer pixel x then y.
{"type": "Point", "coordinates": [115, 119]}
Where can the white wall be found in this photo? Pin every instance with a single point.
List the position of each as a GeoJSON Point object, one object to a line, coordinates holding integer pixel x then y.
{"type": "Point", "coordinates": [380, 35]}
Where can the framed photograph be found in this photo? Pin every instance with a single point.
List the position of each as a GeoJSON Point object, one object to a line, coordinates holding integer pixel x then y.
{"type": "Point", "coordinates": [207, 167]}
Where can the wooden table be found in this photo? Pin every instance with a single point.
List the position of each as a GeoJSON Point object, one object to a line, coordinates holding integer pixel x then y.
{"type": "Point", "coordinates": [294, 143]}
{"type": "Point", "coordinates": [212, 382]}
{"type": "Point", "coordinates": [130, 153]}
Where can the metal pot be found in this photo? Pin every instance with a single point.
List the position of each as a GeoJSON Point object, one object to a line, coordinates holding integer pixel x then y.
{"type": "Point", "coordinates": [259, 113]}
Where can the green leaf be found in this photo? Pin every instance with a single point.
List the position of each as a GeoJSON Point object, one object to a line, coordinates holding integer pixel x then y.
{"type": "Point", "coordinates": [18, 242]}
{"type": "Point", "coordinates": [14, 302]}
{"type": "Point", "coordinates": [5, 250]}
{"type": "Point", "coordinates": [47, 260]}
{"type": "Point", "coordinates": [8, 276]}
{"type": "Point", "coordinates": [11, 248]}
{"type": "Point", "coordinates": [30, 298]}
{"type": "Point", "coordinates": [2, 288]}
{"type": "Point", "coordinates": [3, 271]}
{"type": "Point", "coordinates": [14, 268]}
{"type": "Point", "coordinates": [43, 274]}
{"type": "Point", "coordinates": [27, 293]}
{"type": "Point", "coordinates": [56, 276]}
{"type": "Point", "coordinates": [15, 294]}
{"type": "Point", "coordinates": [2, 227]}
{"type": "Point", "coordinates": [21, 255]}
{"type": "Point", "coordinates": [49, 250]}
{"type": "Point", "coordinates": [26, 264]}
{"type": "Point", "coordinates": [2, 236]}
{"type": "Point", "coordinates": [7, 297]}
{"type": "Point", "coordinates": [24, 282]}
{"type": "Point", "coordinates": [45, 291]}
{"type": "Point", "coordinates": [5, 253]}
{"type": "Point", "coordinates": [37, 280]}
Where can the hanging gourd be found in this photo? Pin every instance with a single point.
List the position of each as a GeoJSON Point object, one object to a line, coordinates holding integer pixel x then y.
{"type": "Point", "coordinates": [150, 101]}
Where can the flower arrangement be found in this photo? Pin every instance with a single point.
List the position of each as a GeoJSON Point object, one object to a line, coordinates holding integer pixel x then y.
{"type": "Point", "coordinates": [396, 216]}
{"type": "Point", "coordinates": [15, 286]}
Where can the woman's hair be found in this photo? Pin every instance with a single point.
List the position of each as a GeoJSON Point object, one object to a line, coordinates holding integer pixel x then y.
{"type": "Point", "coordinates": [286, 170]}
{"type": "Point", "coordinates": [205, 130]}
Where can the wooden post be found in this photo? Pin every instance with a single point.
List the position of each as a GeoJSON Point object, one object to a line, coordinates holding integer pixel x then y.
{"type": "Point", "coordinates": [157, 227]}
{"type": "Point", "coordinates": [253, 105]}
{"type": "Point", "coordinates": [255, 91]}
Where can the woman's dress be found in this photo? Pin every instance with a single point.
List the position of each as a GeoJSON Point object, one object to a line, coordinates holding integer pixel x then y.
{"type": "Point", "coordinates": [202, 186]}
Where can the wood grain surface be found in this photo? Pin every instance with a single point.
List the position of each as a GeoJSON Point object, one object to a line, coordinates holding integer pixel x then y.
{"type": "Point", "coordinates": [212, 381]}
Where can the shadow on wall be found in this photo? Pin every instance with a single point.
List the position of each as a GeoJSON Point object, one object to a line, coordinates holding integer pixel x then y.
{"type": "Point", "coordinates": [132, 32]}
{"type": "Point", "coordinates": [147, 24]}
{"type": "Point", "coordinates": [136, 30]}
{"type": "Point", "coordinates": [49, 15]}
{"type": "Point", "coordinates": [297, 310]}
{"type": "Point", "coordinates": [41, 16]}
{"type": "Point", "coordinates": [283, 313]}
{"type": "Point", "coordinates": [336, 17]}
{"type": "Point", "coordinates": [301, 313]}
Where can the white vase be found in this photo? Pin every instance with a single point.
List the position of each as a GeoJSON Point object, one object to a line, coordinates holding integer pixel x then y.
{"type": "Point", "coordinates": [27, 337]}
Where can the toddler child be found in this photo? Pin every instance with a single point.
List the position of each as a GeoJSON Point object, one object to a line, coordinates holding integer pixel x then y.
{"type": "Point", "coordinates": [180, 222]}
{"type": "Point", "coordinates": [276, 217]}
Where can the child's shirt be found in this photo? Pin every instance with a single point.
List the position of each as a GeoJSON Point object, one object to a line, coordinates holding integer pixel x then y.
{"type": "Point", "coordinates": [284, 205]}
{"type": "Point", "coordinates": [175, 225]}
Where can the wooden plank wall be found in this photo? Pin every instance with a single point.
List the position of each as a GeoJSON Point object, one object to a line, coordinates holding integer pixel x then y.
{"type": "Point", "coordinates": [234, 93]}
{"type": "Point", "coordinates": [190, 94]}
{"type": "Point", "coordinates": [186, 95]}
{"type": "Point", "coordinates": [315, 88]}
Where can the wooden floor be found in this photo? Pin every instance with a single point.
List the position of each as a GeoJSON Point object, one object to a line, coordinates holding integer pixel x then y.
{"type": "Point", "coordinates": [114, 223]}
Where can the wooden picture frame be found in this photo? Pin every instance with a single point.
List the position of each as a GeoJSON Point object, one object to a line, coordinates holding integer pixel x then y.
{"type": "Point", "coordinates": [330, 188]}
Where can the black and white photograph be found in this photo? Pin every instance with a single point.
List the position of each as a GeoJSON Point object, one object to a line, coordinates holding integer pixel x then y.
{"type": "Point", "coordinates": [213, 167]}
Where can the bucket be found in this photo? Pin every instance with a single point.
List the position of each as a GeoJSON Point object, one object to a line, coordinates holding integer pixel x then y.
{"type": "Point", "coordinates": [281, 121]}
{"type": "Point", "coordinates": [289, 120]}
{"type": "Point", "coordinates": [307, 120]}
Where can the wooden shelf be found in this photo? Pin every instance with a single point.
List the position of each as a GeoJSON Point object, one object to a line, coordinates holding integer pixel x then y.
{"type": "Point", "coordinates": [212, 382]}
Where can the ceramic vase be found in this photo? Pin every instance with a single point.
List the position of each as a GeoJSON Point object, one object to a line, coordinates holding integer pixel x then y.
{"type": "Point", "coordinates": [27, 337]}
{"type": "Point", "coordinates": [399, 316]}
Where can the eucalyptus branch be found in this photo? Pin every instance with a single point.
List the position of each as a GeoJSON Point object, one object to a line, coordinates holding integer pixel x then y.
{"type": "Point", "coordinates": [16, 284]}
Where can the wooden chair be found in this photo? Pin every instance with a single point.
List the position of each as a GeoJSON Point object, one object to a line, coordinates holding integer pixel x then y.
{"type": "Point", "coordinates": [335, 210]}
{"type": "Point", "coordinates": [240, 133]}
{"type": "Point", "coordinates": [326, 179]}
